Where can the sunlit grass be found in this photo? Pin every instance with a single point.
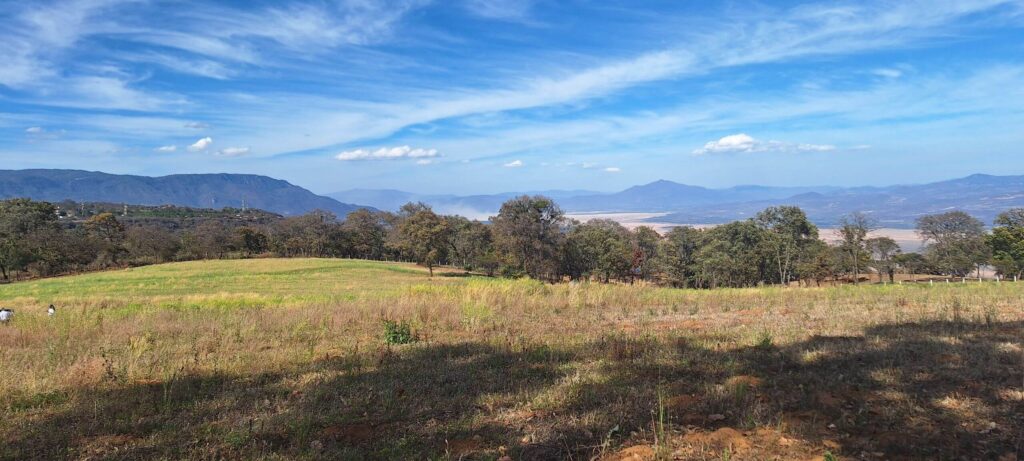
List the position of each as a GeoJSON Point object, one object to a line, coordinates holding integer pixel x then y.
{"type": "Point", "coordinates": [201, 350]}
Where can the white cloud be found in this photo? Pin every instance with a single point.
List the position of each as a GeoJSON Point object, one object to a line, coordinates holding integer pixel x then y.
{"type": "Point", "coordinates": [386, 153]}
{"type": "Point", "coordinates": [201, 144]}
{"type": "Point", "coordinates": [35, 130]}
{"type": "Point", "coordinates": [888, 73]}
{"type": "Point", "coordinates": [513, 164]}
{"type": "Point", "coordinates": [744, 143]}
{"type": "Point", "coordinates": [233, 151]}
{"type": "Point", "coordinates": [768, 36]}
{"type": "Point", "coordinates": [613, 169]}
{"type": "Point", "coordinates": [170, 148]}
{"type": "Point", "coordinates": [197, 125]}
{"type": "Point", "coordinates": [425, 161]}
{"type": "Point", "coordinates": [101, 92]}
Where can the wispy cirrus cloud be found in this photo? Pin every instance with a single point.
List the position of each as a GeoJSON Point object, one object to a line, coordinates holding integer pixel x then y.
{"type": "Point", "coordinates": [782, 36]}
{"type": "Point", "coordinates": [500, 9]}
{"type": "Point", "coordinates": [239, 75]}
{"type": "Point", "coordinates": [233, 151]}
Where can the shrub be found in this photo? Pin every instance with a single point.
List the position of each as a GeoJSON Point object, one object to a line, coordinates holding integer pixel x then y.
{"type": "Point", "coordinates": [397, 333]}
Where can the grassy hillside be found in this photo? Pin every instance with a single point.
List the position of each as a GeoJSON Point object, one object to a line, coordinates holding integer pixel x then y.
{"type": "Point", "coordinates": [274, 359]}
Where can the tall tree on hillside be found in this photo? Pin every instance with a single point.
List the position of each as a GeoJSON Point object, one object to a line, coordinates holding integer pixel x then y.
{"type": "Point", "coordinates": [677, 256]}
{"type": "Point", "coordinates": [883, 250]}
{"type": "Point", "coordinates": [252, 241]}
{"type": "Point", "coordinates": [600, 248]}
{"type": "Point", "coordinates": [645, 251]}
{"type": "Point", "coordinates": [23, 225]}
{"type": "Point", "coordinates": [367, 232]}
{"type": "Point", "coordinates": [150, 244]}
{"type": "Point", "coordinates": [1007, 242]}
{"type": "Point", "coordinates": [527, 233]}
{"type": "Point", "coordinates": [425, 236]}
{"type": "Point", "coordinates": [817, 261]}
{"type": "Point", "coordinates": [108, 235]}
{"type": "Point", "coordinates": [791, 232]}
{"type": "Point", "coordinates": [734, 255]}
{"type": "Point", "coordinates": [471, 244]}
{"type": "Point", "coordinates": [853, 230]}
{"type": "Point", "coordinates": [954, 241]}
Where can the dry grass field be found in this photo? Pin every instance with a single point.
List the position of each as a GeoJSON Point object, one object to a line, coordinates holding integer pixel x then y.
{"type": "Point", "coordinates": [285, 359]}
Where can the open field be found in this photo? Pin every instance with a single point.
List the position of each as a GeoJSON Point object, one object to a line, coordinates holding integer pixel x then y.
{"type": "Point", "coordinates": [284, 359]}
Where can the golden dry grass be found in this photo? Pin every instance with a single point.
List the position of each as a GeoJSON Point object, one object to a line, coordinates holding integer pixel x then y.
{"type": "Point", "coordinates": [284, 359]}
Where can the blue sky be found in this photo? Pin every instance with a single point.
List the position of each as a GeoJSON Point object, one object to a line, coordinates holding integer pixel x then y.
{"type": "Point", "coordinates": [479, 96]}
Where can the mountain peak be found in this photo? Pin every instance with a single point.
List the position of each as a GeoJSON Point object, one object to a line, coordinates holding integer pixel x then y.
{"type": "Point", "coordinates": [217, 190]}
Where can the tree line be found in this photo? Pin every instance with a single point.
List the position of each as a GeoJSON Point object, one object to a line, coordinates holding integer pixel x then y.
{"type": "Point", "coordinates": [530, 236]}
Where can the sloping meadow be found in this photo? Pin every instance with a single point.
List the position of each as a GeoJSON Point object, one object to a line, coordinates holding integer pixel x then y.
{"type": "Point", "coordinates": [270, 359]}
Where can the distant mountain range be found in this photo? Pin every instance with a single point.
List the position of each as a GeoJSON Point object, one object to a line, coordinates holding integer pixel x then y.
{"type": "Point", "coordinates": [983, 196]}
{"type": "Point", "coordinates": [471, 206]}
{"type": "Point", "coordinates": [658, 196]}
{"type": "Point", "coordinates": [192, 190]}
{"type": "Point", "coordinates": [662, 196]}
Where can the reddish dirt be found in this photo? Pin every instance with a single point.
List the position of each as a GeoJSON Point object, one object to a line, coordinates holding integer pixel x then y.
{"type": "Point", "coordinates": [348, 433]}
{"type": "Point", "coordinates": [635, 453]}
{"type": "Point", "coordinates": [749, 382]}
{"type": "Point", "coordinates": [721, 439]}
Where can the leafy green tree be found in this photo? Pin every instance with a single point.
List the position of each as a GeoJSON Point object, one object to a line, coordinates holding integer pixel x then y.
{"type": "Point", "coordinates": [645, 242]}
{"type": "Point", "coordinates": [150, 244]}
{"type": "Point", "coordinates": [252, 241]}
{"type": "Point", "coordinates": [22, 222]}
{"type": "Point", "coordinates": [677, 256]}
{"type": "Point", "coordinates": [527, 235]}
{"type": "Point", "coordinates": [599, 247]}
{"type": "Point", "coordinates": [954, 242]}
{"type": "Point", "coordinates": [736, 254]}
{"type": "Point", "coordinates": [1007, 242]}
{"type": "Point", "coordinates": [853, 231]}
{"type": "Point", "coordinates": [108, 235]}
{"type": "Point", "coordinates": [817, 261]}
{"type": "Point", "coordinates": [913, 263]}
{"type": "Point", "coordinates": [882, 251]}
{"type": "Point", "coordinates": [471, 245]}
{"type": "Point", "coordinates": [425, 236]}
{"type": "Point", "coordinates": [790, 234]}
{"type": "Point", "coordinates": [367, 232]}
